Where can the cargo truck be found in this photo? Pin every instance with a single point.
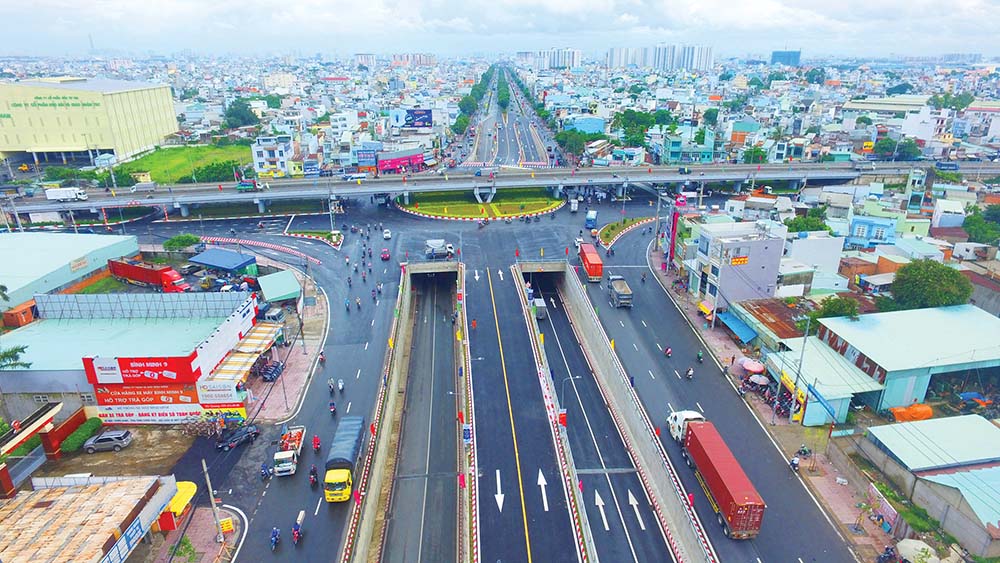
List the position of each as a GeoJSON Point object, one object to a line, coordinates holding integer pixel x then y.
{"type": "Point", "coordinates": [574, 205]}
{"type": "Point", "coordinates": [65, 194]}
{"type": "Point", "coordinates": [343, 459]}
{"type": "Point", "coordinates": [592, 263]}
{"type": "Point", "coordinates": [621, 293]}
{"type": "Point", "coordinates": [591, 221]}
{"type": "Point", "coordinates": [437, 248]}
{"type": "Point", "coordinates": [164, 278]}
{"type": "Point", "coordinates": [286, 459]}
{"type": "Point", "coordinates": [738, 507]}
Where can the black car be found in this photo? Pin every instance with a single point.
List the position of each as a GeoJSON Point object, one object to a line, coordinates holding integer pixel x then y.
{"type": "Point", "coordinates": [239, 436]}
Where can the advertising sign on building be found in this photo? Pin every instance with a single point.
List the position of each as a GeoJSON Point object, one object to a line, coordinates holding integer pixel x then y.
{"type": "Point", "coordinates": [142, 394]}
{"type": "Point", "coordinates": [366, 157]}
{"type": "Point", "coordinates": [210, 392]}
{"type": "Point", "coordinates": [141, 370]}
{"type": "Point", "coordinates": [410, 118]}
{"type": "Point", "coordinates": [148, 414]}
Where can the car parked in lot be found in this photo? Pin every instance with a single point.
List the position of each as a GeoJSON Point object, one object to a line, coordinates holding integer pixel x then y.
{"type": "Point", "coordinates": [242, 435]}
{"type": "Point", "coordinates": [108, 441]}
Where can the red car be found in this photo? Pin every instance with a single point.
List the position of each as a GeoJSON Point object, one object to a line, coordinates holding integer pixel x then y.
{"type": "Point", "coordinates": [385, 254]}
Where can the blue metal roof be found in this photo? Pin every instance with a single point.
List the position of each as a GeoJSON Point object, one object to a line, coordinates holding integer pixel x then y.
{"type": "Point", "coordinates": [221, 259]}
{"type": "Point", "coordinates": [742, 330]}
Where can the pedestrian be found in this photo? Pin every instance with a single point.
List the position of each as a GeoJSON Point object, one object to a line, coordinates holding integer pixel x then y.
{"type": "Point", "coordinates": [732, 360]}
{"type": "Point", "coordinates": [473, 324]}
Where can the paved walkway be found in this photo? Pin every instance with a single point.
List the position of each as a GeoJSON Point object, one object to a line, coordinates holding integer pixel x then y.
{"type": "Point", "coordinates": [299, 357]}
{"type": "Point", "coordinates": [201, 532]}
{"type": "Point", "coordinates": [840, 500]}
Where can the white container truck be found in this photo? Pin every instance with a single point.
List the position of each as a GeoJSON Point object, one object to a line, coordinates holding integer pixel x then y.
{"type": "Point", "coordinates": [65, 194]}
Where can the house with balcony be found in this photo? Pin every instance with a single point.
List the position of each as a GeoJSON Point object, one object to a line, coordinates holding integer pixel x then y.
{"type": "Point", "coordinates": [868, 232]}
{"type": "Point", "coordinates": [271, 155]}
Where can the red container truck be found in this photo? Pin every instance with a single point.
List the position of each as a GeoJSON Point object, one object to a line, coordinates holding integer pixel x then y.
{"type": "Point", "coordinates": [164, 278]}
{"type": "Point", "coordinates": [738, 507]}
{"type": "Point", "coordinates": [591, 262]}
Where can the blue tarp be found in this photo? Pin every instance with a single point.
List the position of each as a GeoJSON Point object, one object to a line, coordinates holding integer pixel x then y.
{"type": "Point", "coordinates": [221, 259]}
{"type": "Point", "coordinates": [740, 328]}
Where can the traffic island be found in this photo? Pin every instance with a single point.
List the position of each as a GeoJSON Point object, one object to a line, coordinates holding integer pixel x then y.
{"type": "Point", "coordinates": [610, 233]}
{"type": "Point", "coordinates": [512, 203]}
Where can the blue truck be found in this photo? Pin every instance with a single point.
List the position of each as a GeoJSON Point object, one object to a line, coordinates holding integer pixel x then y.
{"type": "Point", "coordinates": [591, 221]}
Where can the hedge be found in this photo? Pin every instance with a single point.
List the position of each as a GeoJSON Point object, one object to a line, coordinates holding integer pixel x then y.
{"type": "Point", "coordinates": [75, 441]}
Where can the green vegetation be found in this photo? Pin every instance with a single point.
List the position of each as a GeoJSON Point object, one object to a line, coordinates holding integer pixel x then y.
{"type": "Point", "coordinates": [925, 283]}
{"type": "Point", "coordinates": [174, 165]}
{"type": "Point", "coordinates": [460, 125]}
{"type": "Point", "coordinates": [711, 116]}
{"type": "Point", "coordinates": [634, 124]}
{"type": "Point", "coordinates": [816, 76]}
{"type": "Point", "coordinates": [75, 441]}
{"type": "Point", "coordinates": [106, 285]}
{"type": "Point", "coordinates": [281, 207]}
{"type": "Point", "coordinates": [863, 120]}
{"type": "Point", "coordinates": [468, 105]}
{"type": "Point", "coordinates": [181, 241]}
{"type": "Point", "coordinates": [814, 220]}
{"type": "Point", "coordinates": [184, 550]}
{"type": "Point", "coordinates": [11, 357]}
{"type": "Point", "coordinates": [754, 155]}
{"type": "Point", "coordinates": [983, 226]}
{"type": "Point", "coordinates": [831, 307]}
{"type": "Point", "coordinates": [507, 203]}
{"type": "Point", "coordinates": [901, 88]}
{"type": "Point", "coordinates": [947, 100]}
{"type": "Point", "coordinates": [503, 92]}
{"type": "Point", "coordinates": [726, 76]}
{"type": "Point", "coordinates": [699, 136]}
{"type": "Point", "coordinates": [273, 100]}
{"type": "Point", "coordinates": [950, 176]}
{"type": "Point", "coordinates": [239, 114]}
{"type": "Point", "coordinates": [611, 230]}
{"type": "Point", "coordinates": [886, 148]}
{"type": "Point", "coordinates": [573, 142]}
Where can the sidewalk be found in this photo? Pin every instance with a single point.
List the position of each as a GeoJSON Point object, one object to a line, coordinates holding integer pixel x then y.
{"type": "Point", "coordinates": [840, 500]}
{"type": "Point", "coordinates": [290, 387]}
{"type": "Point", "coordinates": [201, 533]}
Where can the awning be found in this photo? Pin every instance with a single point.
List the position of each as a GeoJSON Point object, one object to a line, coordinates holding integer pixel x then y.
{"type": "Point", "coordinates": [259, 339]}
{"type": "Point", "coordinates": [430, 162]}
{"type": "Point", "coordinates": [740, 328]}
{"type": "Point", "coordinates": [279, 286]}
{"type": "Point", "coordinates": [705, 307]}
{"type": "Point", "coordinates": [235, 367]}
{"type": "Point", "coordinates": [185, 492]}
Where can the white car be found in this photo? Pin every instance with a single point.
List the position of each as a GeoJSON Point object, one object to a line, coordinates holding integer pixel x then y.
{"type": "Point", "coordinates": [386, 234]}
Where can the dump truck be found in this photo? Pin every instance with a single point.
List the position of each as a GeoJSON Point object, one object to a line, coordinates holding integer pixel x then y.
{"type": "Point", "coordinates": [164, 278]}
{"type": "Point", "coordinates": [343, 459]}
{"type": "Point", "coordinates": [738, 507]}
{"type": "Point", "coordinates": [591, 262]}
{"type": "Point", "coordinates": [437, 248]}
{"type": "Point", "coordinates": [65, 194]}
{"type": "Point", "coordinates": [286, 459]}
{"type": "Point", "coordinates": [621, 293]}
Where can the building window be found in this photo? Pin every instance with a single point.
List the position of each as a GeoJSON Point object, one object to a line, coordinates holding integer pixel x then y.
{"type": "Point", "coordinates": [711, 289]}
{"type": "Point", "coordinates": [87, 398]}
{"type": "Point", "coordinates": [715, 271]}
{"type": "Point", "coordinates": [41, 399]}
{"type": "Point", "coordinates": [260, 165]}
{"type": "Point", "coordinates": [260, 154]}
{"type": "Point", "coordinates": [879, 233]}
{"type": "Point", "coordinates": [860, 230]}
{"type": "Point", "coordinates": [281, 153]}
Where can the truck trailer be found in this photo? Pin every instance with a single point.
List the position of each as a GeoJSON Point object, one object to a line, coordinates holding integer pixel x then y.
{"type": "Point", "coordinates": [592, 263]}
{"type": "Point", "coordinates": [620, 292]}
{"type": "Point", "coordinates": [343, 459]}
{"type": "Point", "coordinates": [738, 506]}
{"type": "Point", "coordinates": [65, 194]}
{"type": "Point", "coordinates": [164, 278]}
{"type": "Point", "coordinates": [286, 459]}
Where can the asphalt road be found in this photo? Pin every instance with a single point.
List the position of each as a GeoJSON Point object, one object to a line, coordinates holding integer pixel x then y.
{"type": "Point", "coordinates": [421, 522]}
{"type": "Point", "coordinates": [622, 522]}
{"type": "Point", "coordinates": [794, 526]}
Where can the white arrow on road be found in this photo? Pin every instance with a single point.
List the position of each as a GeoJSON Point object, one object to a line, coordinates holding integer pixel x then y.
{"type": "Point", "coordinates": [541, 485]}
{"type": "Point", "coordinates": [477, 275]}
{"type": "Point", "coordinates": [600, 506]}
{"type": "Point", "coordinates": [500, 273]}
{"type": "Point", "coordinates": [499, 495]}
{"type": "Point", "coordinates": [553, 301]}
{"type": "Point", "coordinates": [635, 506]}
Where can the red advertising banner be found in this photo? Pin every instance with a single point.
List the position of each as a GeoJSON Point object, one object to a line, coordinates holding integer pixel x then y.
{"type": "Point", "coordinates": [101, 370]}
{"type": "Point", "coordinates": [153, 394]}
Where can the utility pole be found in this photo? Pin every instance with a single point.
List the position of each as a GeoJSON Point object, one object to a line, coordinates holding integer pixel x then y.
{"type": "Point", "coordinates": [215, 508]}
{"type": "Point", "coordinates": [798, 370]}
{"type": "Point", "coordinates": [13, 208]}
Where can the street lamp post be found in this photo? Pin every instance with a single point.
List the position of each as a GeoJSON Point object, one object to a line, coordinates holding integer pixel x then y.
{"type": "Point", "coordinates": [562, 392]}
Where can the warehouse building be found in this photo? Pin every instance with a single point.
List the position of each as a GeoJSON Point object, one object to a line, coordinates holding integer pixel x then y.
{"type": "Point", "coordinates": [63, 119]}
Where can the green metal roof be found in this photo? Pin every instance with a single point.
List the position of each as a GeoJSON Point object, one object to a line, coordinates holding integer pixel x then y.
{"type": "Point", "coordinates": [60, 344]}
{"type": "Point", "coordinates": [279, 286]}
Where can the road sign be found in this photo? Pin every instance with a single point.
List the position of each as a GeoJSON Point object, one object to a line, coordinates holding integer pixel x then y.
{"type": "Point", "coordinates": [467, 434]}
{"type": "Point", "coordinates": [226, 525]}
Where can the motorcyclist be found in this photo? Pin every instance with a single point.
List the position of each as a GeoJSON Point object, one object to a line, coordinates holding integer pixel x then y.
{"type": "Point", "coordinates": [333, 407]}
{"type": "Point", "coordinates": [329, 383]}
{"type": "Point", "coordinates": [322, 357]}
{"type": "Point", "coordinates": [296, 532]}
{"type": "Point", "coordinates": [690, 373]}
{"type": "Point", "coordinates": [275, 536]}
{"type": "Point", "coordinates": [701, 356]}
{"type": "Point", "coordinates": [264, 470]}
{"type": "Point", "coordinates": [340, 385]}
{"type": "Point", "coordinates": [350, 282]}
{"type": "Point", "coordinates": [373, 294]}
{"type": "Point", "coordinates": [794, 463]}
{"type": "Point", "coordinates": [313, 472]}
{"type": "Point", "coordinates": [347, 303]}
{"type": "Point", "coordinates": [644, 277]}
{"type": "Point", "coordinates": [668, 351]}
{"type": "Point", "coordinates": [316, 442]}
{"type": "Point", "coordinates": [357, 301]}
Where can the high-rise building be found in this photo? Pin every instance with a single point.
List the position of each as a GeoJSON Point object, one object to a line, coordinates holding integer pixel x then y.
{"type": "Point", "coordinates": [661, 57]}
{"type": "Point", "coordinates": [558, 58]}
{"type": "Point", "coordinates": [364, 59]}
{"type": "Point", "coordinates": [787, 58]}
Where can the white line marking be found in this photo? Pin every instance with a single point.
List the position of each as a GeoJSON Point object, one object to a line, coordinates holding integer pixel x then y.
{"type": "Point", "coordinates": [677, 374]}
{"type": "Point", "coordinates": [600, 506]}
{"type": "Point", "coordinates": [636, 347]}
{"type": "Point", "coordinates": [670, 407]}
{"type": "Point", "coordinates": [358, 376]}
{"type": "Point", "coordinates": [651, 374]}
{"type": "Point", "coordinates": [621, 323]}
{"type": "Point", "coordinates": [699, 407]}
{"type": "Point", "coordinates": [658, 347]}
{"type": "Point", "coordinates": [499, 495]}
{"type": "Point", "coordinates": [318, 502]}
{"type": "Point", "coordinates": [348, 411]}
{"type": "Point", "coordinates": [643, 323]}
{"type": "Point", "coordinates": [373, 322]}
{"type": "Point", "coordinates": [366, 346]}
{"type": "Point", "coordinates": [635, 506]}
{"type": "Point", "coordinates": [541, 485]}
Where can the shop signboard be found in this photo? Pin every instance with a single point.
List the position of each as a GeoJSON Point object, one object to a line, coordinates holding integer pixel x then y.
{"type": "Point", "coordinates": [101, 370]}
{"type": "Point", "coordinates": [366, 157]}
{"type": "Point", "coordinates": [146, 394]}
{"type": "Point", "coordinates": [410, 118]}
{"type": "Point", "coordinates": [148, 414]}
{"type": "Point", "coordinates": [210, 392]}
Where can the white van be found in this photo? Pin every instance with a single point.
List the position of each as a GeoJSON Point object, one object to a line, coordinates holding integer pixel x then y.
{"type": "Point", "coordinates": [353, 177]}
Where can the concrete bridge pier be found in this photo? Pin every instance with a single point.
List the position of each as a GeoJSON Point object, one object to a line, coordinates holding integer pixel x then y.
{"type": "Point", "coordinates": [557, 191]}
{"type": "Point", "coordinates": [406, 198]}
{"type": "Point", "coordinates": [620, 191]}
{"type": "Point", "coordinates": [478, 192]}
{"type": "Point", "coordinates": [261, 206]}
{"type": "Point", "coordinates": [185, 209]}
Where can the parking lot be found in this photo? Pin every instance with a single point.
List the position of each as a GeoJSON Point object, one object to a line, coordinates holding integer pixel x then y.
{"type": "Point", "coordinates": [154, 451]}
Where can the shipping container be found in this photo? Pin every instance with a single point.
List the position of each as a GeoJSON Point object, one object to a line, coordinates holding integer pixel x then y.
{"type": "Point", "coordinates": [164, 278]}
{"type": "Point", "coordinates": [592, 263]}
{"type": "Point", "coordinates": [738, 507]}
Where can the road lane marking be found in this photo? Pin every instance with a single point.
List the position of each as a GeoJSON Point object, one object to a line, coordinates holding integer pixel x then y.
{"type": "Point", "coordinates": [677, 374]}
{"type": "Point", "coordinates": [348, 407]}
{"type": "Point", "coordinates": [669, 406]}
{"type": "Point", "coordinates": [358, 376]}
{"type": "Point", "coordinates": [658, 347]}
{"type": "Point", "coordinates": [599, 502]}
{"type": "Point", "coordinates": [621, 323]}
{"type": "Point", "coordinates": [318, 501]}
{"type": "Point", "coordinates": [644, 325]}
{"type": "Point", "coordinates": [366, 346]}
{"type": "Point", "coordinates": [373, 322]}
{"type": "Point", "coordinates": [699, 407]}
{"type": "Point", "coordinates": [499, 496]}
{"type": "Point", "coordinates": [541, 485]}
{"type": "Point", "coordinates": [651, 374]}
{"type": "Point", "coordinates": [636, 347]}
{"type": "Point", "coordinates": [635, 506]}
{"type": "Point", "coordinates": [510, 415]}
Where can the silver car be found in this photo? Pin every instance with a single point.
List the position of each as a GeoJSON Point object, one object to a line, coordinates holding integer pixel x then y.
{"type": "Point", "coordinates": [108, 441]}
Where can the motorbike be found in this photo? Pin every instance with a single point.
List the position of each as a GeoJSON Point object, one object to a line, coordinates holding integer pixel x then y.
{"type": "Point", "coordinates": [265, 472]}
{"type": "Point", "coordinates": [322, 357]}
{"type": "Point", "coordinates": [701, 358]}
{"type": "Point", "coordinates": [804, 451]}
{"type": "Point", "coordinates": [690, 373]}
{"type": "Point", "coordinates": [297, 531]}
{"type": "Point", "coordinates": [340, 385]}
{"type": "Point", "coordinates": [794, 464]}
{"type": "Point", "coordinates": [313, 480]}
{"type": "Point", "coordinates": [275, 538]}
{"type": "Point", "coordinates": [668, 352]}
{"type": "Point", "coordinates": [329, 383]}
{"type": "Point", "coordinates": [333, 409]}
{"type": "Point", "coordinates": [316, 446]}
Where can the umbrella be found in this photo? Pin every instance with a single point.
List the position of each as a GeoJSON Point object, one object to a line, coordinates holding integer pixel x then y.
{"type": "Point", "coordinates": [753, 366]}
{"type": "Point", "coordinates": [759, 379]}
{"type": "Point", "coordinates": [916, 550]}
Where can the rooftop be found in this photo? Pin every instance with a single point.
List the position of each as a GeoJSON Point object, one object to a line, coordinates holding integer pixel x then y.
{"type": "Point", "coordinates": [27, 257]}
{"type": "Point", "coordinates": [59, 344]}
{"type": "Point", "coordinates": [940, 443]}
{"type": "Point", "coordinates": [103, 85]}
{"type": "Point", "coordinates": [833, 375]}
{"type": "Point", "coordinates": [902, 340]}
{"type": "Point", "coordinates": [981, 489]}
{"type": "Point", "coordinates": [774, 314]}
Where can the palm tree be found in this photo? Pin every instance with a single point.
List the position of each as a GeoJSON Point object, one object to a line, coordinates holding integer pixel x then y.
{"type": "Point", "coordinates": [10, 358]}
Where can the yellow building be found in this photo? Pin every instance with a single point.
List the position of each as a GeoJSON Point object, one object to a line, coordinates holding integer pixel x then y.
{"type": "Point", "coordinates": [57, 120]}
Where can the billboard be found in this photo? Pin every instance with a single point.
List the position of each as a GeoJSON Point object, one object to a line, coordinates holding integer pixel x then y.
{"type": "Point", "coordinates": [101, 370]}
{"type": "Point", "coordinates": [366, 157]}
{"type": "Point", "coordinates": [414, 162]}
{"type": "Point", "coordinates": [410, 118]}
{"type": "Point", "coordinates": [146, 394]}
{"type": "Point", "coordinates": [210, 392]}
{"type": "Point", "coordinates": [148, 414]}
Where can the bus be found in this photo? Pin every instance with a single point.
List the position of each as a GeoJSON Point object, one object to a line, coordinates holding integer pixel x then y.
{"type": "Point", "coordinates": [946, 165]}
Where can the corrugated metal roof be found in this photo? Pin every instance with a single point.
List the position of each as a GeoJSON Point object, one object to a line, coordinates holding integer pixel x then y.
{"type": "Point", "coordinates": [940, 443]}
{"type": "Point", "coordinates": [923, 338]}
{"type": "Point", "coordinates": [103, 85]}
{"type": "Point", "coordinates": [833, 375]}
{"type": "Point", "coordinates": [981, 489]}
{"type": "Point", "coordinates": [26, 257]}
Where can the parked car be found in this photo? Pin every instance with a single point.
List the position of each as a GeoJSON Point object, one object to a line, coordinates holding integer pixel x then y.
{"type": "Point", "coordinates": [386, 234]}
{"type": "Point", "coordinates": [188, 269]}
{"type": "Point", "coordinates": [239, 436]}
{"type": "Point", "coordinates": [385, 254]}
{"type": "Point", "coordinates": [108, 441]}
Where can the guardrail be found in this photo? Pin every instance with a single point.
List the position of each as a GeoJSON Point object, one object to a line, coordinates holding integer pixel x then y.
{"type": "Point", "coordinates": [468, 513]}
{"type": "Point", "coordinates": [639, 433]}
{"type": "Point", "coordinates": [564, 454]}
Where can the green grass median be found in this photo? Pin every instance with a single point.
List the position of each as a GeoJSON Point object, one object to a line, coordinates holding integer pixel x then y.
{"type": "Point", "coordinates": [507, 203]}
{"type": "Point", "coordinates": [611, 230]}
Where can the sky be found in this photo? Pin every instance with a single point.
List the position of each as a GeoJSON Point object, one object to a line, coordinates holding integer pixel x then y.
{"type": "Point", "coordinates": [446, 27]}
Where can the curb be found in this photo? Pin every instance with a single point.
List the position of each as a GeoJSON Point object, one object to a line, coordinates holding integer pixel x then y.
{"type": "Point", "coordinates": [314, 237]}
{"type": "Point", "coordinates": [493, 219]}
{"type": "Point", "coordinates": [626, 231]}
{"type": "Point", "coordinates": [190, 219]}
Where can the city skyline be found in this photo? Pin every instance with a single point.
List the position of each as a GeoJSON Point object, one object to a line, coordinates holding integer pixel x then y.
{"type": "Point", "coordinates": [855, 28]}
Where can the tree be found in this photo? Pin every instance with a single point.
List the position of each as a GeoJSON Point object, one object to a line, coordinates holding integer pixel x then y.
{"type": "Point", "coordinates": [812, 130]}
{"type": "Point", "coordinates": [831, 307]}
{"type": "Point", "coordinates": [776, 75]}
{"type": "Point", "coordinates": [947, 100]}
{"type": "Point", "coordinates": [726, 76]}
{"type": "Point", "coordinates": [711, 116]}
{"type": "Point", "coordinates": [992, 213]}
{"type": "Point", "coordinates": [887, 149]}
{"type": "Point", "coordinates": [181, 241]}
{"type": "Point", "coordinates": [807, 223]}
{"type": "Point", "coordinates": [663, 117]}
{"type": "Point", "coordinates": [214, 172]}
{"type": "Point", "coordinates": [273, 100]}
{"type": "Point", "coordinates": [754, 155]}
{"type": "Point", "coordinates": [901, 88]}
{"type": "Point", "coordinates": [980, 229]}
{"type": "Point", "coordinates": [460, 125]}
{"type": "Point", "coordinates": [816, 76]}
{"type": "Point", "coordinates": [863, 120]}
{"type": "Point", "coordinates": [10, 358]}
{"type": "Point", "coordinates": [926, 283]}
{"type": "Point", "coordinates": [238, 114]}
{"type": "Point", "coordinates": [467, 105]}
{"type": "Point", "coordinates": [756, 83]}
{"type": "Point", "coordinates": [699, 136]}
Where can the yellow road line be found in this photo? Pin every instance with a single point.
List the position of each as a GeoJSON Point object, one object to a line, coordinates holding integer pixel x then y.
{"type": "Point", "coordinates": [510, 412]}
